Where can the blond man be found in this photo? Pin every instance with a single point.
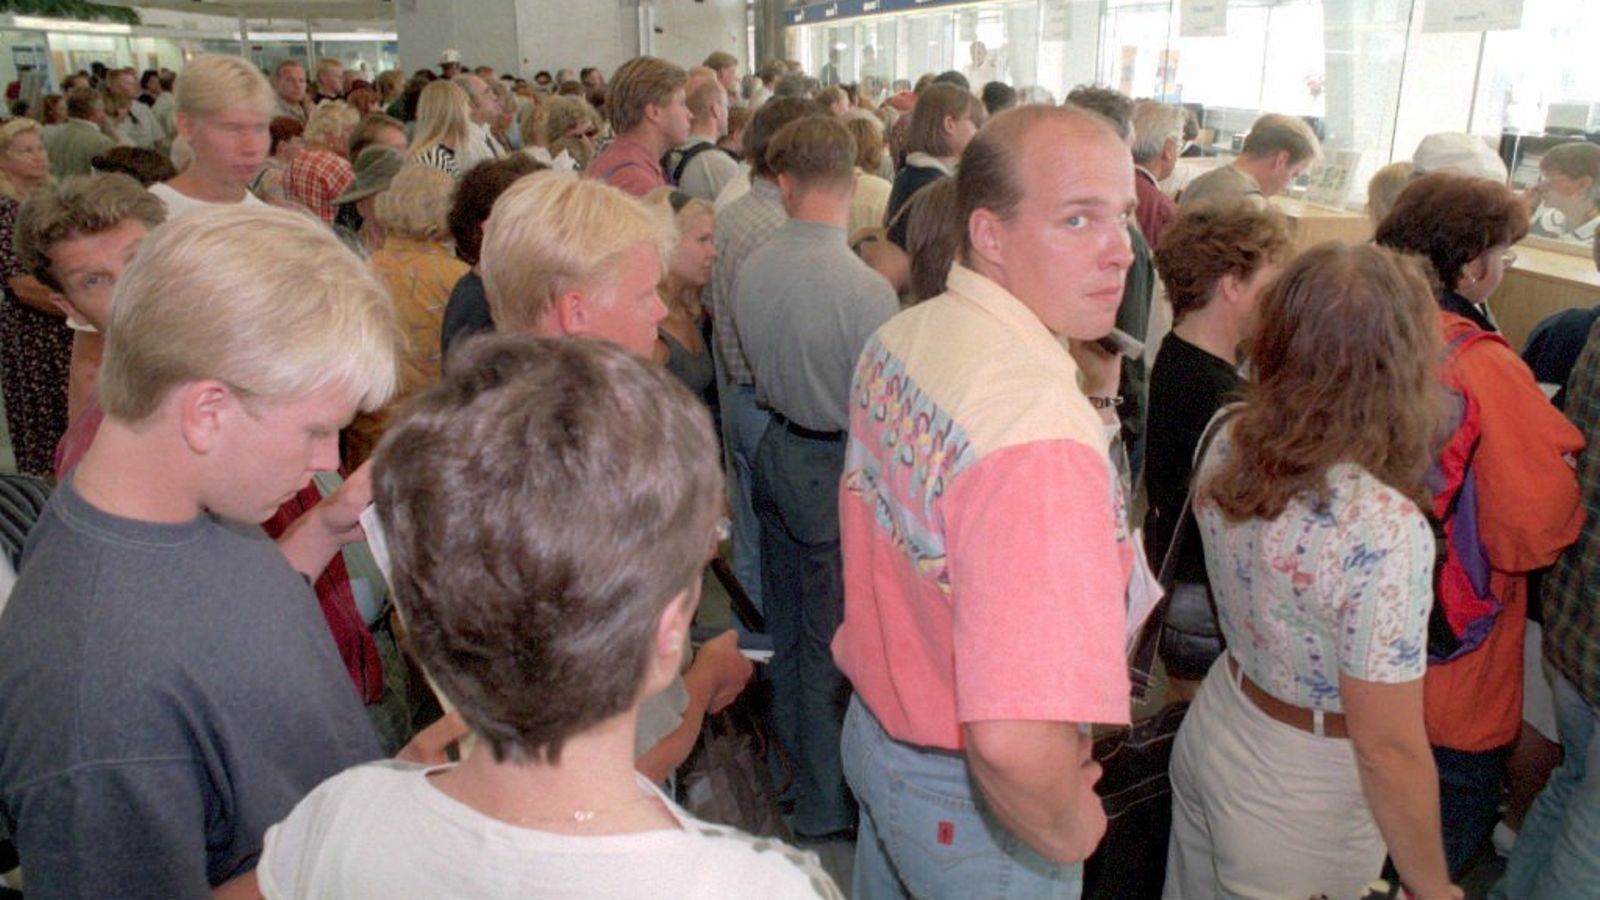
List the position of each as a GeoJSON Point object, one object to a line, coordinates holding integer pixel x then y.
{"type": "Point", "coordinates": [563, 256]}
{"type": "Point", "coordinates": [169, 686]}
{"type": "Point", "coordinates": [646, 107]}
{"type": "Point", "coordinates": [224, 107]}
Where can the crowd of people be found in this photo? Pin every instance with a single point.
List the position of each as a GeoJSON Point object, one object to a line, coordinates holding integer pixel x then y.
{"type": "Point", "coordinates": [388, 429]}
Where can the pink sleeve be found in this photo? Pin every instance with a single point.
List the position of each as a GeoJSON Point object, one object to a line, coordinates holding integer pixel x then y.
{"type": "Point", "coordinates": [1038, 586]}
{"type": "Point", "coordinates": [634, 179]}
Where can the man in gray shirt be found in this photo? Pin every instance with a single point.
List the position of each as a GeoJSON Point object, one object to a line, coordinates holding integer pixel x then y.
{"type": "Point", "coordinates": [805, 306]}
{"type": "Point", "coordinates": [1277, 150]}
{"type": "Point", "coordinates": [698, 166]}
{"type": "Point", "coordinates": [739, 229]}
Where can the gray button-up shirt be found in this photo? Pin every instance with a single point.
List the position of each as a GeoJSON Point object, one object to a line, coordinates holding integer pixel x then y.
{"type": "Point", "coordinates": [805, 306]}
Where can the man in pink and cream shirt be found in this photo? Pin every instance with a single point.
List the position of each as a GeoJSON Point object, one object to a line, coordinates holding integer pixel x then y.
{"type": "Point", "coordinates": [986, 550]}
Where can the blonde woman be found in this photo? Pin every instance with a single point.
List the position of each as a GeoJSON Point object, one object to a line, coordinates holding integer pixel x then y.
{"type": "Point", "coordinates": [35, 342]}
{"type": "Point", "coordinates": [444, 123]}
{"type": "Point", "coordinates": [319, 172]}
{"type": "Point", "coordinates": [419, 268]}
{"type": "Point", "coordinates": [680, 342]}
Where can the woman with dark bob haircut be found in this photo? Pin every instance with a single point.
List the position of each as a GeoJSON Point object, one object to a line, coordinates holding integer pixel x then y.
{"type": "Point", "coordinates": [1527, 493]}
{"type": "Point", "coordinates": [1321, 559]}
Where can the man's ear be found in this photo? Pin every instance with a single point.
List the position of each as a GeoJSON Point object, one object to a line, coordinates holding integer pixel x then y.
{"type": "Point", "coordinates": [67, 309]}
{"type": "Point", "coordinates": [203, 410]}
{"type": "Point", "coordinates": [986, 236]}
{"type": "Point", "coordinates": [571, 312]}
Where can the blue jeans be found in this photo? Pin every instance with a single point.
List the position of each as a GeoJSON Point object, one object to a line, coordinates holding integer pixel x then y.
{"type": "Point", "coordinates": [925, 834]}
{"type": "Point", "coordinates": [795, 493]}
{"type": "Point", "coordinates": [1558, 849]}
{"type": "Point", "coordinates": [743, 424]}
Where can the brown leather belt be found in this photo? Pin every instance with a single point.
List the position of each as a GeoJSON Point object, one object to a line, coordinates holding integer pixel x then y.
{"type": "Point", "coordinates": [1297, 717]}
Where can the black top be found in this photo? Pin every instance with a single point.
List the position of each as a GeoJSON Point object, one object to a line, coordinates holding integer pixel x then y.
{"type": "Point", "coordinates": [1187, 387]}
{"type": "Point", "coordinates": [1453, 302]}
{"type": "Point", "coordinates": [1554, 346]}
{"type": "Point", "coordinates": [466, 313]}
{"type": "Point", "coordinates": [906, 184]}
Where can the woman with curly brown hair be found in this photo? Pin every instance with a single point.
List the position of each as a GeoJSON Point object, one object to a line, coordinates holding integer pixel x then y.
{"type": "Point", "coordinates": [1527, 492]}
{"type": "Point", "coordinates": [1214, 261]}
{"type": "Point", "coordinates": [1303, 760]}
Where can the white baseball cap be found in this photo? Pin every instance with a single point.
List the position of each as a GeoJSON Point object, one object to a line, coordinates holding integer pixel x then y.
{"type": "Point", "coordinates": [1463, 154]}
{"type": "Point", "coordinates": [450, 56]}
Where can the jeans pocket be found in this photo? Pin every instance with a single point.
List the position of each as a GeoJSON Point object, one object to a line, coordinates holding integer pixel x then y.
{"type": "Point", "coordinates": [942, 846]}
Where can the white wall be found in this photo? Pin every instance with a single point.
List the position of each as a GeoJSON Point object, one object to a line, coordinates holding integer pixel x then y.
{"type": "Point", "coordinates": [688, 30]}
{"type": "Point", "coordinates": [557, 34]}
{"type": "Point", "coordinates": [485, 31]}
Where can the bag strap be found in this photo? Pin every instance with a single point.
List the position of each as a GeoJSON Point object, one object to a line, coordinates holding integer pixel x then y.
{"type": "Point", "coordinates": [1169, 561]}
{"type": "Point", "coordinates": [688, 157]}
{"type": "Point", "coordinates": [1142, 662]}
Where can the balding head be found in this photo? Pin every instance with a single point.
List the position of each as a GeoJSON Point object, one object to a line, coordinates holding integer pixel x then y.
{"type": "Point", "coordinates": [988, 175]}
{"type": "Point", "coordinates": [1047, 194]}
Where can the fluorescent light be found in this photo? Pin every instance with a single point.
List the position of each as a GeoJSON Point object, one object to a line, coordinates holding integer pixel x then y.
{"type": "Point", "coordinates": [44, 24]}
{"type": "Point", "coordinates": [324, 36]}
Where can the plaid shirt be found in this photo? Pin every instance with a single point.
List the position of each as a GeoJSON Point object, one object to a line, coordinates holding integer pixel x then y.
{"type": "Point", "coordinates": [315, 178]}
{"type": "Point", "coordinates": [741, 228]}
{"type": "Point", "coordinates": [1572, 590]}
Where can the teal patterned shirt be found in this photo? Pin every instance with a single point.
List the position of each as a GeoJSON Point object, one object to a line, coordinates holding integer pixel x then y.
{"type": "Point", "coordinates": [1572, 590]}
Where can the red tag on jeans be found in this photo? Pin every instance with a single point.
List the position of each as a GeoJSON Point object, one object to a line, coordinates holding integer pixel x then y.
{"type": "Point", "coordinates": [947, 833]}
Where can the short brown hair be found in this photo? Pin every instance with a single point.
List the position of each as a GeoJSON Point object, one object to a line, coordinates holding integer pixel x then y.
{"type": "Point", "coordinates": [830, 95]}
{"type": "Point", "coordinates": [868, 134]}
{"type": "Point", "coordinates": [814, 150]}
{"type": "Point", "coordinates": [1275, 133]}
{"type": "Point", "coordinates": [638, 83]}
{"type": "Point", "coordinates": [925, 134]}
{"type": "Point", "coordinates": [83, 102]}
{"type": "Point", "coordinates": [720, 59]}
{"type": "Point", "coordinates": [1210, 241]}
{"type": "Point", "coordinates": [77, 207]}
{"type": "Point", "coordinates": [768, 121]}
{"type": "Point", "coordinates": [1451, 220]}
{"type": "Point", "coordinates": [1578, 159]}
{"type": "Point", "coordinates": [479, 188]}
{"type": "Point", "coordinates": [934, 232]}
{"type": "Point", "coordinates": [1344, 370]}
{"type": "Point", "coordinates": [144, 165]}
{"type": "Point", "coordinates": [566, 588]}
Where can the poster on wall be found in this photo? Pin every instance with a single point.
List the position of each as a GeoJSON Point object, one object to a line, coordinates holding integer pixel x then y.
{"type": "Point", "coordinates": [1471, 15]}
{"type": "Point", "coordinates": [1057, 25]}
{"type": "Point", "coordinates": [1203, 18]}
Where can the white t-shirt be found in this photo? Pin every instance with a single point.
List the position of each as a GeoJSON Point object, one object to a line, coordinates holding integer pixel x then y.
{"type": "Point", "coordinates": [178, 204]}
{"type": "Point", "coordinates": [384, 830]}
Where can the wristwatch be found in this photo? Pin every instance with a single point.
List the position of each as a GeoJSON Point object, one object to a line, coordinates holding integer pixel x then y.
{"type": "Point", "coordinates": [1105, 402]}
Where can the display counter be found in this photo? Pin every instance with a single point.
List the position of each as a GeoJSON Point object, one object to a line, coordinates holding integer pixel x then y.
{"type": "Point", "coordinates": [1311, 223]}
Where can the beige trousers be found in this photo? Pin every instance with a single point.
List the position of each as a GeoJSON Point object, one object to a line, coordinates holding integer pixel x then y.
{"type": "Point", "coordinates": [1264, 811]}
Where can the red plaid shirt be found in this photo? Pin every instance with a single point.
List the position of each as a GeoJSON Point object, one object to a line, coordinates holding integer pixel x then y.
{"type": "Point", "coordinates": [315, 178]}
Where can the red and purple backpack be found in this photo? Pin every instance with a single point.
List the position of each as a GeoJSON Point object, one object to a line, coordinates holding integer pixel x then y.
{"type": "Point", "coordinates": [1464, 607]}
